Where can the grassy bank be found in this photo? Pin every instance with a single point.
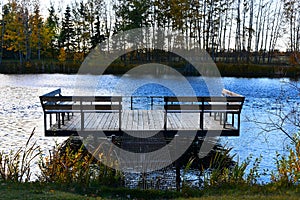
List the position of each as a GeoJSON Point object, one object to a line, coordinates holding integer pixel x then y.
{"type": "Point", "coordinates": [119, 67]}
{"type": "Point", "coordinates": [54, 191]}
{"type": "Point", "coordinates": [255, 70]}
{"type": "Point", "coordinates": [72, 173]}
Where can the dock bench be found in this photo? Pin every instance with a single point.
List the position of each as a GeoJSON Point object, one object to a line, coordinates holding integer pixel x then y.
{"type": "Point", "coordinates": [64, 107]}
{"type": "Point", "coordinates": [228, 104]}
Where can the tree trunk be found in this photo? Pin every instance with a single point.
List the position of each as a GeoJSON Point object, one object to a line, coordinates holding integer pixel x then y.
{"type": "Point", "coordinates": [229, 37]}
{"type": "Point", "coordinates": [2, 41]}
{"type": "Point", "coordinates": [238, 33]}
{"type": "Point", "coordinates": [250, 31]}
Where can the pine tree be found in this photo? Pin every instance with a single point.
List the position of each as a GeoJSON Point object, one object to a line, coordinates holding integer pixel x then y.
{"type": "Point", "coordinates": [51, 25]}
{"type": "Point", "coordinates": [66, 37]}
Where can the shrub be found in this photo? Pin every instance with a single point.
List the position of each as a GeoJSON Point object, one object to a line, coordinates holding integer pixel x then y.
{"type": "Point", "coordinates": [288, 167]}
{"type": "Point", "coordinates": [67, 165]}
{"type": "Point", "coordinates": [220, 173]}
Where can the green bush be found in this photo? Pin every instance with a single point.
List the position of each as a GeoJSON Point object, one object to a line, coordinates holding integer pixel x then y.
{"type": "Point", "coordinates": [288, 167]}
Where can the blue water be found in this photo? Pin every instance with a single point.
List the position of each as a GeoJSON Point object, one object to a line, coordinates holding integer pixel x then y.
{"type": "Point", "coordinates": [20, 109]}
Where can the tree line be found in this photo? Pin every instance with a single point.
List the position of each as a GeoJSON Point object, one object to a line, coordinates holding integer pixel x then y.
{"type": "Point", "coordinates": [239, 31]}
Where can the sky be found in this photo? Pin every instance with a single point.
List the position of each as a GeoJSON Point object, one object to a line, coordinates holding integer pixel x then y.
{"type": "Point", "coordinates": [45, 4]}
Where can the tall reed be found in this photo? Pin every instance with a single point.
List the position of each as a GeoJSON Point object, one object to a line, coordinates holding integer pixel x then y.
{"type": "Point", "coordinates": [16, 166]}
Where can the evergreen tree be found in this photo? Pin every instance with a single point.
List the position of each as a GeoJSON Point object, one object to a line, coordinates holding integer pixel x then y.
{"type": "Point", "coordinates": [36, 24]}
{"type": "Point", "coordinates": [51, 25]}
{"type": "Point", "coordinates": [98, 37]}
{"type": "Point", "coordinates": [66, 37]}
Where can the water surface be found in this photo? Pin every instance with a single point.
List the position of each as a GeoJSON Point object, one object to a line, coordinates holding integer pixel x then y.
{"type": "Point", "coordinates": [20, 109]}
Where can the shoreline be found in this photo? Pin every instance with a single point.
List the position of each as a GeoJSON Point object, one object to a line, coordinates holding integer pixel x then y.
{"type": "Point", "coordinates": [225, 69]}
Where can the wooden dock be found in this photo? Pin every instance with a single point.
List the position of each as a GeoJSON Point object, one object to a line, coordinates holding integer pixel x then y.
{"type": "Point", "coordinates": [140, 120]}
{"type": "Point", "coordinates": [216, 116]}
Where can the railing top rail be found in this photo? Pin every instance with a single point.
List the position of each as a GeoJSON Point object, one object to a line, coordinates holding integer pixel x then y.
{"type": "Point", "coordinates": [228, 96]}
{"type": "Point", "coordinates": [53, 93]}
{"type": "Point", "coordinates": [229, 93]}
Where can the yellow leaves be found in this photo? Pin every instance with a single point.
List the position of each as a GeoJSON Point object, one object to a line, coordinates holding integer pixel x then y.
{"type": "Point", "coordinates": [62, 55]}
{"type": "Point", "coordinates": [288, 168]}
{"type": "Point", "coordinates": [78, 57]}
{"type": "Point", "coordinates": [295, 58]}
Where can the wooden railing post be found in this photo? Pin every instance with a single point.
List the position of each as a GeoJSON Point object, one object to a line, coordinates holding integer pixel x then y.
{"type": "Point", "coordinates": [82, 115]}
{"type": "Point", "coordinates": [151, 103]}
{"type": "Point", "coordinates": [45, 121]}
{"type": "Point", "coordinates": [120, 113]}
{"type": "Point", "coordinates": [165, 114]}
{"type": "Point", "coordinates": [239, 121]}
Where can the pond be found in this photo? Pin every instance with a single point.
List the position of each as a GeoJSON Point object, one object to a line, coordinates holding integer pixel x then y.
{"type": "Point", "coordinates": [20, 109]}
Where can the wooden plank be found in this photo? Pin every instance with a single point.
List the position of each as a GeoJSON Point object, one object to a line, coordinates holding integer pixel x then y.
{"type": "Point", "coordinates": [224, 107]}
{"type": "Point", "coordinates": [53, 93]}
{"type": "Point", "coordinates": [135, 120]}
{"type": "Point", "coordinates": [125, 115]}
{"type": "Point", "coordinates": [130, 120]}
{"type": "Point", "coordinates": [230, 93]}
{"type": "Point", "coordinates": [96, 118]}
{"type": "Point", "coordinates": [140, 120]}
{"type": "Point", "coordinates": [158, 120]}
{"type": "Point", "coordinates": [105, 120]}
{"type": "Point", "coordinates": [117, 121]}
{"type": "Point", "coordinates": [113, 121]}
{"type": "Point", "coordinates": [102, 122]}
{"type": "Point", "coordinates": [182, 107]}
{"type": "Point", "coordinates": [183, 99]}
{"type": "Point", "coordinates": [182, 120]}
{"type": "Point", "coordinates": [146, 121]}
{"type": "Point", "coordinates": [87, 119]}
{"type": "Point", "coordinates": [150, 120]}
{"type": "Point", "coordinates": [174, 122]}
{"type": "Point", "coordinates": [76, 124]}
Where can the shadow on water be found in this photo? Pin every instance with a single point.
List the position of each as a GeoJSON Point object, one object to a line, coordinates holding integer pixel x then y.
{"type": "Point", "coordinates": [192, 168]}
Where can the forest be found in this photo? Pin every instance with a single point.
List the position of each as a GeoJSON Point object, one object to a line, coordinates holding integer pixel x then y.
{"type": "Point", "coordinates": [231, 31]}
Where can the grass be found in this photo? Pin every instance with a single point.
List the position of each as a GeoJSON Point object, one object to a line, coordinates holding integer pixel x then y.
{"type": "Point", "coordinates": [66, 175]}
{"type": "Point", "coordinates": [51, 191]}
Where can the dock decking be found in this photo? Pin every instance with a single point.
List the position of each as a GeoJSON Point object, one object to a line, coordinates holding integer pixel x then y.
{"type": "Point", "coordinates": [134, 120]}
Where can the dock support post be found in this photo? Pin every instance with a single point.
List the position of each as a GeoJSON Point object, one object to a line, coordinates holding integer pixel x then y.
{"type": "Point", "coordinates": [82, 116]}
{"type": "Point", "coordinates": [177, 166]}
{"type": "Point", "coordinates": [166, 113]}
{"type": "Point", "coordinates": [178, 179]}
{"type": "Point", "coordinates": [120, 114]}
{"type": "Point", "coordinates": [82, 120]}
{"type": "Point", "coordinates": [202, 114]}
{"type": "Point", "coordinates": [58, 121]}
{"type": "Point", "coordinates": [151, 103]}
{"type": "Point", "coordinates": [45, 121]}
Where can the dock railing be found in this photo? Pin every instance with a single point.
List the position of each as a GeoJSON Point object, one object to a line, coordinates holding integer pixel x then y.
{"type": "Point", "coordinates": [54, 103]}
{"type": "Point", "coordinates": [62, 107]}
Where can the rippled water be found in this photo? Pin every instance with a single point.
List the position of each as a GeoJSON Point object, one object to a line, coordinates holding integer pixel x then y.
{"type": "Point", "coordinates": [20, 109]}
